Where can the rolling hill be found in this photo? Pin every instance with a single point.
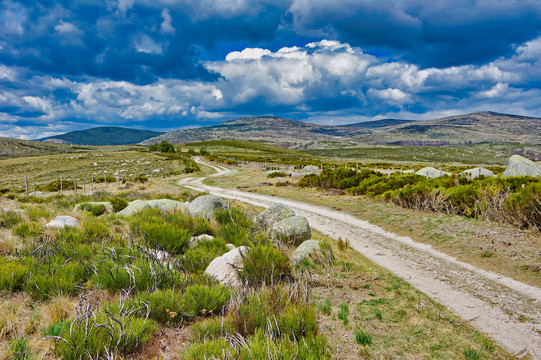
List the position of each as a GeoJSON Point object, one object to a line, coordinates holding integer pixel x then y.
{"type": "Point", "coordinates": [104, 135]}
{"type": "Point", "coordinates": [461, 129]}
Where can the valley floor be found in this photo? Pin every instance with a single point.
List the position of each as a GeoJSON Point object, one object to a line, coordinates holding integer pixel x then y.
{"type": "Point", "coordinates": [507, 310]}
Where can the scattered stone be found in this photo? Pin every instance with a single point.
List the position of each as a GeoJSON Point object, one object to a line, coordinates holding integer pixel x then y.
{"type": "Point", "coordinates": [160, 255]}
{"type": "Point", "coordinates": [165, 205]}
{"type": "Point", "coordinates": [408, 172]}
{"type": "Point", "coordinates": [62, 221]}
{"type": "Point", "coordinates": [206, 205]}
{"type": "Point", "coordinates": [314, 250]}
{"type": "Point", "coordinates": [196, 239]}
{"type": "Point", "coordinates": [229, 247]}
{"type": "Point", "coordinates": [225, 268]}
{"type": "Point", "coordinates": [296, 228]}
{"type": "Point", "coordinates": [107, 204]}
{"type": "Point", "coordinates": [520, 166]}
{"type": "Point", "coordinates": [476, 172]}
{"type": "Point", "coordinates": [274, 213]}
{"type": "Point", "coordinates": [37, 194]}
{"type": "Point", "coordinates": [431, 172]}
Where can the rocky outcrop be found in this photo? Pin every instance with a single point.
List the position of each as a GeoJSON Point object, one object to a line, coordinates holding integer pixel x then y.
{"type": "Point", "coordinates": [206, 205]}
{"type": "Point", "coordinates": [165, 205]}
{"type": "Point", "coordinates": [62, 221]}
{"type": "Point", "coordinates": [296, 228]}
{"type": "Point", "coordinates": [274, 213]}
{"type": "Point", "coordinates": [225, 268]}
{"type": "Point", "coordinates": [431, 172]}
{"type": "Point", "coordinates": [312, 249]}
{"type": "Point", "coordinates": [476, 172]}
{"type": "Point", "coordinates": [520, 166]}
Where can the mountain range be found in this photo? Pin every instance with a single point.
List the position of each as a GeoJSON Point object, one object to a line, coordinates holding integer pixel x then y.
{"type": "Point", "coordinates": [476, 127]}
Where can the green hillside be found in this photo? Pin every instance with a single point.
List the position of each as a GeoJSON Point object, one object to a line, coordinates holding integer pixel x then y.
{"type": "Point", "coordinates": [105, 135]}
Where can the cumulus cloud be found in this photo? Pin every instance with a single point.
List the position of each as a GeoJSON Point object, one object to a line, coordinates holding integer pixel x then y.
{"type": "Point", "coordinates": [166, 25]}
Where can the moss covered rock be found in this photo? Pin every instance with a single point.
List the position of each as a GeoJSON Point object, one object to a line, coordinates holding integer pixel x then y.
{"type": "Point", "coordinates": [206, 205]}
{"type": "Point", "coordinates": [165, 205]}
{"type": "Point", "coordinates": [274, 213]}
{"type": "Point", "coordinates": [295, 228]}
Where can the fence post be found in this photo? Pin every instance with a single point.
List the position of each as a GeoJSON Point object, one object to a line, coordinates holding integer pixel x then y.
{"type": "Point", "coordinates": [92, 185]}
{"type": "Point", "coordinates": [26, 184]}
{"type": "Point", "coordinates": [74, 185]}
{"type": "Point", "coordinates": [61, 189]}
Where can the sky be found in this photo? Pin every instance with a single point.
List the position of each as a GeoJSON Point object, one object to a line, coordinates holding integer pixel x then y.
{"type": "Point", "coordinates": [170, 64]}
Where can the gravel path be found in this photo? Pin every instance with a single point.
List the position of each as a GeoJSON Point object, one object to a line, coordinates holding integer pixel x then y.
{"type": "Point", "coordinates": [506, 310]}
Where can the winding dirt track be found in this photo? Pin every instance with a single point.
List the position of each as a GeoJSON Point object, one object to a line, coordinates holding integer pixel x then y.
{"type": "Point", "coordinates": [490, 302]}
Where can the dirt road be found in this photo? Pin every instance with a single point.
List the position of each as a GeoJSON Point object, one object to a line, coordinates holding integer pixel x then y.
{"type": "Point", "coordinates": [506, 310]}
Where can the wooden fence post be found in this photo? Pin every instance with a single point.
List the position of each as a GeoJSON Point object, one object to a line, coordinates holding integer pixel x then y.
{"type": "Point", "coordinates": [74, 185]}
{"type": "Point", "coordinates": [61, 190]}
{"type": "Point", "coordinates": [26, 184]}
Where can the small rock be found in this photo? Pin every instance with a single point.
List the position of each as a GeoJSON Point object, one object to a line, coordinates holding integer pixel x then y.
{"type": "Point", "coordinates": [274, 213]}
{"type": "Point", "coordinates": [62, 221]}
{"type": "Point", "coordinates": [206, 205]}
{"type": "Point", "coordinates": [229, 247]}
{"type": "Point", "coordinates": [476, 172]}
{"type": "Point", "coordinates": [196, 239]}
{"type": "Point", "coordinates": [225, 268]}
{"type": "Point", "coordinates": [431, 172]}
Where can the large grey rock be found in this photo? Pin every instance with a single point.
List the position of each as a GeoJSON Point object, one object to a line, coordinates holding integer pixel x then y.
{"type": "Point", "coordinates": [296, 228]}
{"type": "Point", "coordinates": [165, 205]}
{"type": "Point", "coordinates": [310, 169]}
{"type": "Point", "coordinates": [225, 268]}
{"type": "Point", "coordinates": [206, 205]}
{"type": "Point", "coordinates": [314, 250]}
{"type": "Point", "coordinates": [107, 204]}
{"type": "Point", "coordinates": [274, 213]}
{"type": "Point", "coordinates": [520, 166]}
{"type": "Point", "coordinates": [431, 172]}
{"type": "Point", "coordinates": [62, 221]}
{"type": "Point", "coordinates": [476, 172]}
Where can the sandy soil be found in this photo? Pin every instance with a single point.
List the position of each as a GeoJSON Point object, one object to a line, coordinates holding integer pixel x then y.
{"type": "Point", "coordinates": [506, 310]}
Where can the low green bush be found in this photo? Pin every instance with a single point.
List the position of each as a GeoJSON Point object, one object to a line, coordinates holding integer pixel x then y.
{"type": "Point", "coordinates": [167, 237]}
{"type": "Point", "coordinates": [166, 306]}
{"type": "Point", "coordinates": [264, 264]}
{"type": "Point", "coordinates": [276, 174]}
{"type": "Point", "coordinates": [205, 300]}
{"type": "Point", "coordinates": [9, 219]}
{"type": "Point", "coordinates": [93, 229]}
{"type": "Point", "coordinates": [197, 258]}
{"type": "Point", "coordinates": [234, 234]}
{"type": "Point", "coordinates": [211, 329]}
{"type": "Point", "coordinates": [118, 203]}
{"type": "Point", "coordinates": [13, 274]}
{"type": "Point", "coordinates": [27, 230]}
{"type": "Point", "coordinates": [94, 209]}
{"type": "Point", "coordinates": [57, 276]}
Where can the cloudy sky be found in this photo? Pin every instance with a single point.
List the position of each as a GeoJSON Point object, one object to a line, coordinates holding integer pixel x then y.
{"type": "Point", "coordinates": [168, 64]}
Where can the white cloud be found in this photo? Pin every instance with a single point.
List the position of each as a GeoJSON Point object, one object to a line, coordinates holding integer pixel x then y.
{"type": "Point", "coordinates": [145, 44]}
{"type": "Point", "coordinates": [7, 73]}
{"type": "Point", "coordinates": [247, 54]}
{"type": "Point", "coordinates": [67, 28]}
{"type": "Point", "coordinates": [166, 26]}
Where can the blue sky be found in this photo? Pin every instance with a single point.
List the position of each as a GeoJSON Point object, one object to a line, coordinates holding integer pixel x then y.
{"type": "Point", "coordinates": [167, 64]}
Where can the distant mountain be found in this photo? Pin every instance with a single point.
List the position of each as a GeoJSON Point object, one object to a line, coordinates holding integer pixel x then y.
{"type": "Point", "coordinates": [468, 128]}
{"type": "Point", "coordinates": [271, 129]}
{"type": "Point", "coordinates": [104, 135]}
{"type": "Point", "coordinates": [10, 148]}
{"type": "Point", "coordinates": [376, 124]}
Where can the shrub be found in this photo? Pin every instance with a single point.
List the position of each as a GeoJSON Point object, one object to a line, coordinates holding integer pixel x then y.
{"type": "Point", "coordinates": [362, 337]}
{"type": "Point", "coordinates": [234, 234]}
{"type": "Point", "coordinates": [13, 275]}
{"type": "Point", "coordinates": [55, 329]}
{"type": "Point", "coordinates": [94, 209]}
{"type": "Point", "coordinates": [118, 203]}
{"type": "Point", "coordinates": [264, 264]}
{"type": "Point", "coordinates": [197, 225]}
{"type": "Point", "coordinates": [19, 349]}
{"type": "Point", "coordinates": [167, 237]}
{"type": "Point", "coordinates": [276, 174]}
{"type": "Point", "coordinates": [9, 219]}
{"type": "Point", "coordinates": [93, 229]}
{"type": "Point", "coordinates": [57, 276]}
{"type": "Point", "coordinates": [212, 329]}
{"type": "Point", "coordinates": [165, 305]}
{"type": "Point", "coordinates": [297, 321]}
{"type": "Point", "coordinates": [344, 313]}
{"type": "Point", "coordinates": [37, 213]}
{"type": "Point", "coordinates": [197, 259]}
{"type": "Point", "coordinates": [27, 230]}
{"type": "Point", "coordinates": [163, 147]}
{"type": "Point", "coordinates": [204, 300]}
{"type": "Point", "coordinates": [113, 332]}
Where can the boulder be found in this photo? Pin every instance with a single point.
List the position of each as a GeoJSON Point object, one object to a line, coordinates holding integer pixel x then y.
{"type": "Point", "coordinates": [431, 172]}
{"type": "Point", "coordinates": [107, 204]}
{"type": "Point", "coordinates": [476, 172]}
{"type": "Point", "coordinates": [206, 205]}
{"type": "Point", "coordinates": [165, 205]}
{"type": "Point", "coordinates": [225, 268]}
{"type": "Point", "coordinates": [229, 247]}
{"type": "Point", "coordinates": [195, 239]}
{"type": "Point", "coordinates": [314, 250]}
{"type": "Point", "coordinates": [296, 228]}
{"type": "Point", "coordinates": [62, 221]}
{"type": "Point", "coordinates": [520, 166]}
{"type": "Point", "coordinates": [274, 213]}
{"type": "Point", "coordinates": [310, 169]}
